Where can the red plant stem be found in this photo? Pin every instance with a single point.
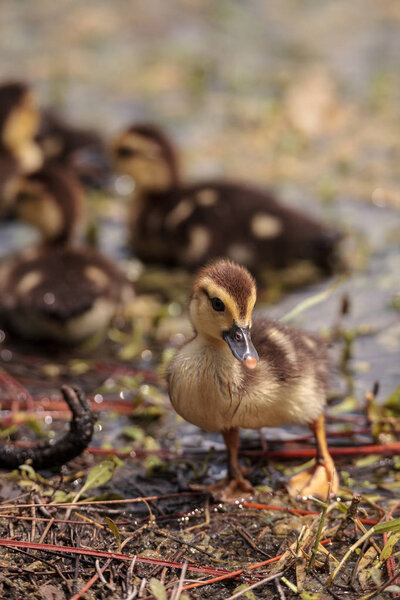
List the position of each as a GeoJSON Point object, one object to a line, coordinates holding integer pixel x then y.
{"type": "Point", "coordinates": [240, 571]}
{"type": "Point", "coordinates": [111, 555]}
{"type": "Point", "coordinates": [391, 448]}
{"type": "Point", "coordinates": [390, 563]}
{"type": "Point", "coordinates": [16, 390]}
{"type": "Point", "coordinates": [89, 584]}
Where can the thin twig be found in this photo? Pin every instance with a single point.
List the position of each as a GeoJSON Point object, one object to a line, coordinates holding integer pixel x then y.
{"type": "Point", "coordinates": [254, 585]}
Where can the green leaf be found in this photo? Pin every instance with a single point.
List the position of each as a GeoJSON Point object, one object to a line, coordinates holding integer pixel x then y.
{"type": "Point", "coordinates": [241, 588]}
{"type": "Point", "coordinates": [115, 531]}
{"type": "Point", "coordinates": [158, 590]}
{"type": "Point", "coordinates": [99, 475]}
{"type": "Point", "coordinates": [388, 547]}
{"type": "Point", "coordinates": [134, 433]}
{"type": "Point", "coordinates": [388, 526]}
{"type": "Point", "coordinates": [393, 401]}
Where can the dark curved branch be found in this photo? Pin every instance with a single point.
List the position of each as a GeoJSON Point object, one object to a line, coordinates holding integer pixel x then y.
{"type": "Point", "coordinates": [56, 453]}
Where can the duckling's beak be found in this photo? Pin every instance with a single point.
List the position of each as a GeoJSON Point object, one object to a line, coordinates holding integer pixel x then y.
{"type": "Point", "coordinates": [239, 341]}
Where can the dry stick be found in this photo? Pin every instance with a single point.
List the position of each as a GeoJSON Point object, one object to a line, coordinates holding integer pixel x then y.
{"type": "Point", "coordinates": [101, 576]}
{"type": "Point", "coordinates": [358, 543]}
{"type": "Point", "coordinates": [83, 504]}
{"type": "Point", "coordinates": [46, 531]}
{"type": "Point", "coordinates": [379, 589]}
{"type": "Point", "coordinates": [254, 585]}
{"type": "Point", "coordinates": [89, 584]}
{"type": "Point", "coordinates": [178, 592]}
{"type": "Point", "coordinates": [296, 511]}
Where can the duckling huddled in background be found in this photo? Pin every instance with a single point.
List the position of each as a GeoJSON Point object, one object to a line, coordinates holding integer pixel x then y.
{"type": "Point", "coordinates": [242, 372]}
{"type": "Point", "coordinates": [19, 122]}
{"type": "Point", "coordinates": [179, 224]}
{"type": "Point", "coordinates": [58, 290]}
{"type": "Point", "coordinates": [83, 151]}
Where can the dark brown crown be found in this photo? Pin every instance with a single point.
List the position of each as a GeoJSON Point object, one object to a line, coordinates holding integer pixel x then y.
{"type": "Point", "coordinates": [233, 278]}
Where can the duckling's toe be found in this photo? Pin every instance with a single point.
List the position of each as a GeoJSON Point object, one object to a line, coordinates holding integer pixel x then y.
{"type": "Point", "coordinates": [320, 481]}
{"type": "Point", "coordinates": [227, 490]}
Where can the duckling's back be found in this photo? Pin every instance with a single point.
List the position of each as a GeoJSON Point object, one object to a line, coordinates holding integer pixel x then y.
{"type": "Point", "coordinates": [189, 225]}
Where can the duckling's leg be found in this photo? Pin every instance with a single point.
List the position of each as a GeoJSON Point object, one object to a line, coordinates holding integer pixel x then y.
{"type": "Point", "coordinates": [235, 481]}
{"type": "Point", "coordinates": [321, 480]}
{"type": "Point", "coordinates": [235, 485]}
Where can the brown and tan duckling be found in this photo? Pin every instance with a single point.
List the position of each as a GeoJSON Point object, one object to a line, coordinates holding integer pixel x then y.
{"type": "Point", "coordinates": [175, 223]}
{"type": "Point", "coordinates": [19, 120]}
{"type": "Point", "coordinates": [53, 201]}
{"type": "Point", "coordinates": [242, 372]}
{"type": "Point", "coordinates": [58, 290]}
{"type": "Point", "coordinates": [19, 123]}
{"type": "Point", "coordinates": [81, 150]}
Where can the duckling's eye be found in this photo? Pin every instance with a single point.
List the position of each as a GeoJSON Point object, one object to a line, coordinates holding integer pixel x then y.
{"type": "Point", "coordinates": [125, 152]}
{"type": "Point", "coordinates": [217, 304]}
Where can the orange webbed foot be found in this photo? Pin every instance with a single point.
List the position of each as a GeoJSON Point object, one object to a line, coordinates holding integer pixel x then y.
{"type": "Point", "coordinates": [320, 481]}
{"type": "Point", "coordinates": [227, 490]}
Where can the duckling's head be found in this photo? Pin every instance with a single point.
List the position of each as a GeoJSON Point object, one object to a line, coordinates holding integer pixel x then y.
{"type": "Point", "coordinates": [145, 154]}
{"type": "Point", "coordinates": [221, 308]}
{"type": "Point", "coordinates": [51, 200]}
{"type": "Point", "coordinates": [19, 123]}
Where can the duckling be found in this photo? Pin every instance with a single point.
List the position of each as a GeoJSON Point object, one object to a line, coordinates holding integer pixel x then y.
{"type": "Point", "coordinates": [53, 201]}
{"type": "Point", "coordinates": [186, 225]}
{"type": "Point", "coordinates": [242, 372]}
{"type": "Point", "coordinates": [81, 150]}
{"type": "Point", "coordinates": [19, 123]}
{"type": "Point", "coordinates": [58, 290]}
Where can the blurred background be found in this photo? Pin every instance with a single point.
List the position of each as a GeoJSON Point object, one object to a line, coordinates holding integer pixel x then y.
{"type": "Point", "coordinates": [302, 96]}
{"type": "Point", "coordinates": [299, 92]}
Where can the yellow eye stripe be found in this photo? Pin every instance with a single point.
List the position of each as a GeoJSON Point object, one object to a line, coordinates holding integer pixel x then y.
{"type": "Point", "coordinates": [215, 291]}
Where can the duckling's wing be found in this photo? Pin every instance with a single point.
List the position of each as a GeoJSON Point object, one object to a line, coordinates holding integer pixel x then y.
{"type": "Point", "coordinates": [290, 352]}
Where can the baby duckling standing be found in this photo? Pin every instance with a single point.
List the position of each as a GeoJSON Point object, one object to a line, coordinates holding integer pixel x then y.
{"type": "Point", "coordinates": [239, 372]}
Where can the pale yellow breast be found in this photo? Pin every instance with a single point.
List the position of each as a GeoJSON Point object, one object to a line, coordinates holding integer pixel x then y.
{"type": "Point", "coordinates": [206, 388]}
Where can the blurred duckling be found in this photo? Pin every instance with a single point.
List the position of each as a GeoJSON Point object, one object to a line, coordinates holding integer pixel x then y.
{"type": "Point", "coordinates": [58, 290]}
{"type": "Point", "coordinates": [19, 123]}
{"type": "Point", "coordinates": [81, 150]}
{"type": "Point", "coordinates": [53, 201]}
{"type": "Point", "coordinates": [242, 372]}
{"type": "Point", "coordinates": [188, 224]}
{"type": "Point", "coordinates": [19, 120]}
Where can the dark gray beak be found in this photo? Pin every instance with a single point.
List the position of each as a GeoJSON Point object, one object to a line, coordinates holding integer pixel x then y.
{"type": "Point", "coordinates": [239, 341]}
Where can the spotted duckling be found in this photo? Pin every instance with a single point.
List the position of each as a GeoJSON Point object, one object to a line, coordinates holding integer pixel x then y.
{"type": "Point", "coordinates": [188, 224]}
{"type": "Point", "coordinates": [58, 290]}
{"type": "Point", "coordinates": [242, 372]}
